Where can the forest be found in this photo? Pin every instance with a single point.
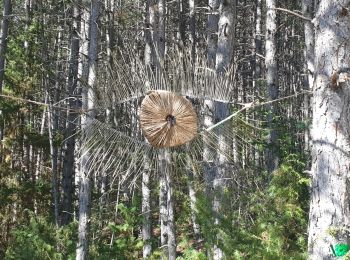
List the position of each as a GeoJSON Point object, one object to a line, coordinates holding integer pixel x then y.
{"type": "Point", "coordinates": [175, 129]}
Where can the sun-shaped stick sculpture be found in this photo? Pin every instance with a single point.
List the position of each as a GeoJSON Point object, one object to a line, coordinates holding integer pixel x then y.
{"type": "Point", "coordinates": [159, 112]}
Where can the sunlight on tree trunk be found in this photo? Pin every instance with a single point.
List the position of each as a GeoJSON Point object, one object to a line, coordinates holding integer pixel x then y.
{"type": "Point", "coordinates": [88, 79]}
{"type": "Point", "coordinates": [308, 10]}
{"type": "Point", "coordinates": [329, 218]}
{"type": "Point", "coordinates": [272, 83]}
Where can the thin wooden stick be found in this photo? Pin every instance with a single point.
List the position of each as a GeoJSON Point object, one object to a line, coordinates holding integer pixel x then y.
{"type": "Point", "coordinates": [293, 13]}
{"type": "Point", "coordinates": [251, 105]}
{"type": "Point", "coordinates": [40, 103]}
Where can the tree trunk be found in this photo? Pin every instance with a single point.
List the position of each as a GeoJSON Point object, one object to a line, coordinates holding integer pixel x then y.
{"type": "Point", "coordinates": [212, 34]}
{"type": "Point", "coordinates": [329, 219]}
{"type": "Point", "coordinates": [223, 61]}
{"type": "Point", "coordinates": [225, 36]}
{"type": "Point", "coordinates": [181, 33]}
{"type": "Point", "coordinates": [3, 39]}
{"type": "Point", "coordinates": [257, 44]}
{"type": "Point", "coordinates": [146, 192]}
{"type": "Point", "coordinates": [146, 210]}
{"type": "Point", "coordinates": [170, 208]}
{"type": "Point", "coordinates": [88, 80]}
{"type": "Point", "coordinates": [68, 163]}
{"type": "Point", "coordinates": [3, 47]}
{"type": "Point", "coordinates": [308, 10]}
{"type": "Point", "coordinates": [53, 126]}
{"type": "Point", "coordinates": [161, 30]}
{"type": "Point", "coordinates": [208, 106]}
{"type": "Point", "coordinates": [148, 35]}
{"type": "Point", "coordinates": [192, 28]}
{"type": "Point", "coordinates": [164, 161]}
{"type": "Point", "coordinates": [192, 177]}
{"type": "Point", "coordinates": [272, 82]}
{"type": "Point", "coordinates": [53, 120]}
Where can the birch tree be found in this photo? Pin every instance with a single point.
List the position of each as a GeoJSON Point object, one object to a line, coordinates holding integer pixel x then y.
{"type": "Point", "coordinates": [146, 191]}
{"type": "Point", "coordinates": [88, 80]}
{"type": "Point", "coordinates": [272, 81]}
{"type": "Point", "coordinates": [329, 217]}
{"type": "Point", "coordinates": [146, 210]}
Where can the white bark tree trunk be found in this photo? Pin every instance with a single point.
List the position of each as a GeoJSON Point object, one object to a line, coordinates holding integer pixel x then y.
{"type": "Point", "coordinates": [88, 79]}
{"type": "Point", "coordinates": [164, 161]}
{"type": "Point", "coordinates": [171, 213]}
{"type": "Point", "coordinates": [146, 210]}
{"type": "Point", "coordinates": [272, 82]}
{"type": "Point", "coordinates": [192, 178]}
{"type": "Point", "coordinates": [308, 9]}
{"type": "Point", "coordinates": [329, 219]}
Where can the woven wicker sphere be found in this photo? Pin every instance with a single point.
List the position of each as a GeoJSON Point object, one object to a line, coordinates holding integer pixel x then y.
{"type": "Point", "coordinates": [167, 119]}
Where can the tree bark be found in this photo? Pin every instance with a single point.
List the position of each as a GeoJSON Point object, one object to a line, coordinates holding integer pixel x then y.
{"type": "Point", "coordinates": [149, 47]}
{"type": "Point", "coordinates": [3, 46]}
{"type": "Point", "coordinates": [88, 80]}
{"type": "Point", "coordinates": [146, 210]}
{"type": "Point", "coordinates": [272, 82]}
{"type": "Point", "coordinates": [53, 126]}
{"type": "Point", "coordinates": [192, 177]}
{"type": "Point", "coordinates": [192, 28]}
{"type": "Point", "coordinates": [223, 61]}
{"type": "Point", "coordinates": [161, 30]}
{"type": "Point", "coordinates": [308, 10]}
{"type": "Point", "coordinates": [68, 163]}
{"type": "Point", "coordinates": [170, 209]}
{"type": "Point", "coordinates": [329, 219]}
{"type": "Point", "coordinates": [257, 44]}
{"type": "Point", "coordinates": [3, 39]}
{"type": "Point", "coordinates": [225, 36]}
{"type": "Point", "coordinates": [53, 119]}
{"type": "Point", "coordinates": [181, 33]}
{"type": "Point", "coordinates": [212, 34]}
{"type": "Point", "coordinates": [164, 161]}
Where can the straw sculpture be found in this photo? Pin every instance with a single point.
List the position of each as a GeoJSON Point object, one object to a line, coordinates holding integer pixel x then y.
{"type": "Point", "coordinates": [167, 119]}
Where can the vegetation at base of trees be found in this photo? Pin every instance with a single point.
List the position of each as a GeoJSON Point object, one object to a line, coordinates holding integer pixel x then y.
{"type": "Point", "coordinates": [270, 223]}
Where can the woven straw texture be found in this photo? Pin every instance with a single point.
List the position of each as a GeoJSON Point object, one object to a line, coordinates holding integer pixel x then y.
{"type": "Point", "coordinates": [167, 119]}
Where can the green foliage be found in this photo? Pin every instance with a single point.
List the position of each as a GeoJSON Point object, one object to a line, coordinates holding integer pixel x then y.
{"type": "Point", "coordinates": [42, 240]}
{"type": "Point", "coordinates": [190, 253]}
{"type": "Point", "coordinates": [126, 244]}
{"type": "Point", "coordinates": [271, 225]}
{"type": "Point", "coordinates": [22, 60]}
